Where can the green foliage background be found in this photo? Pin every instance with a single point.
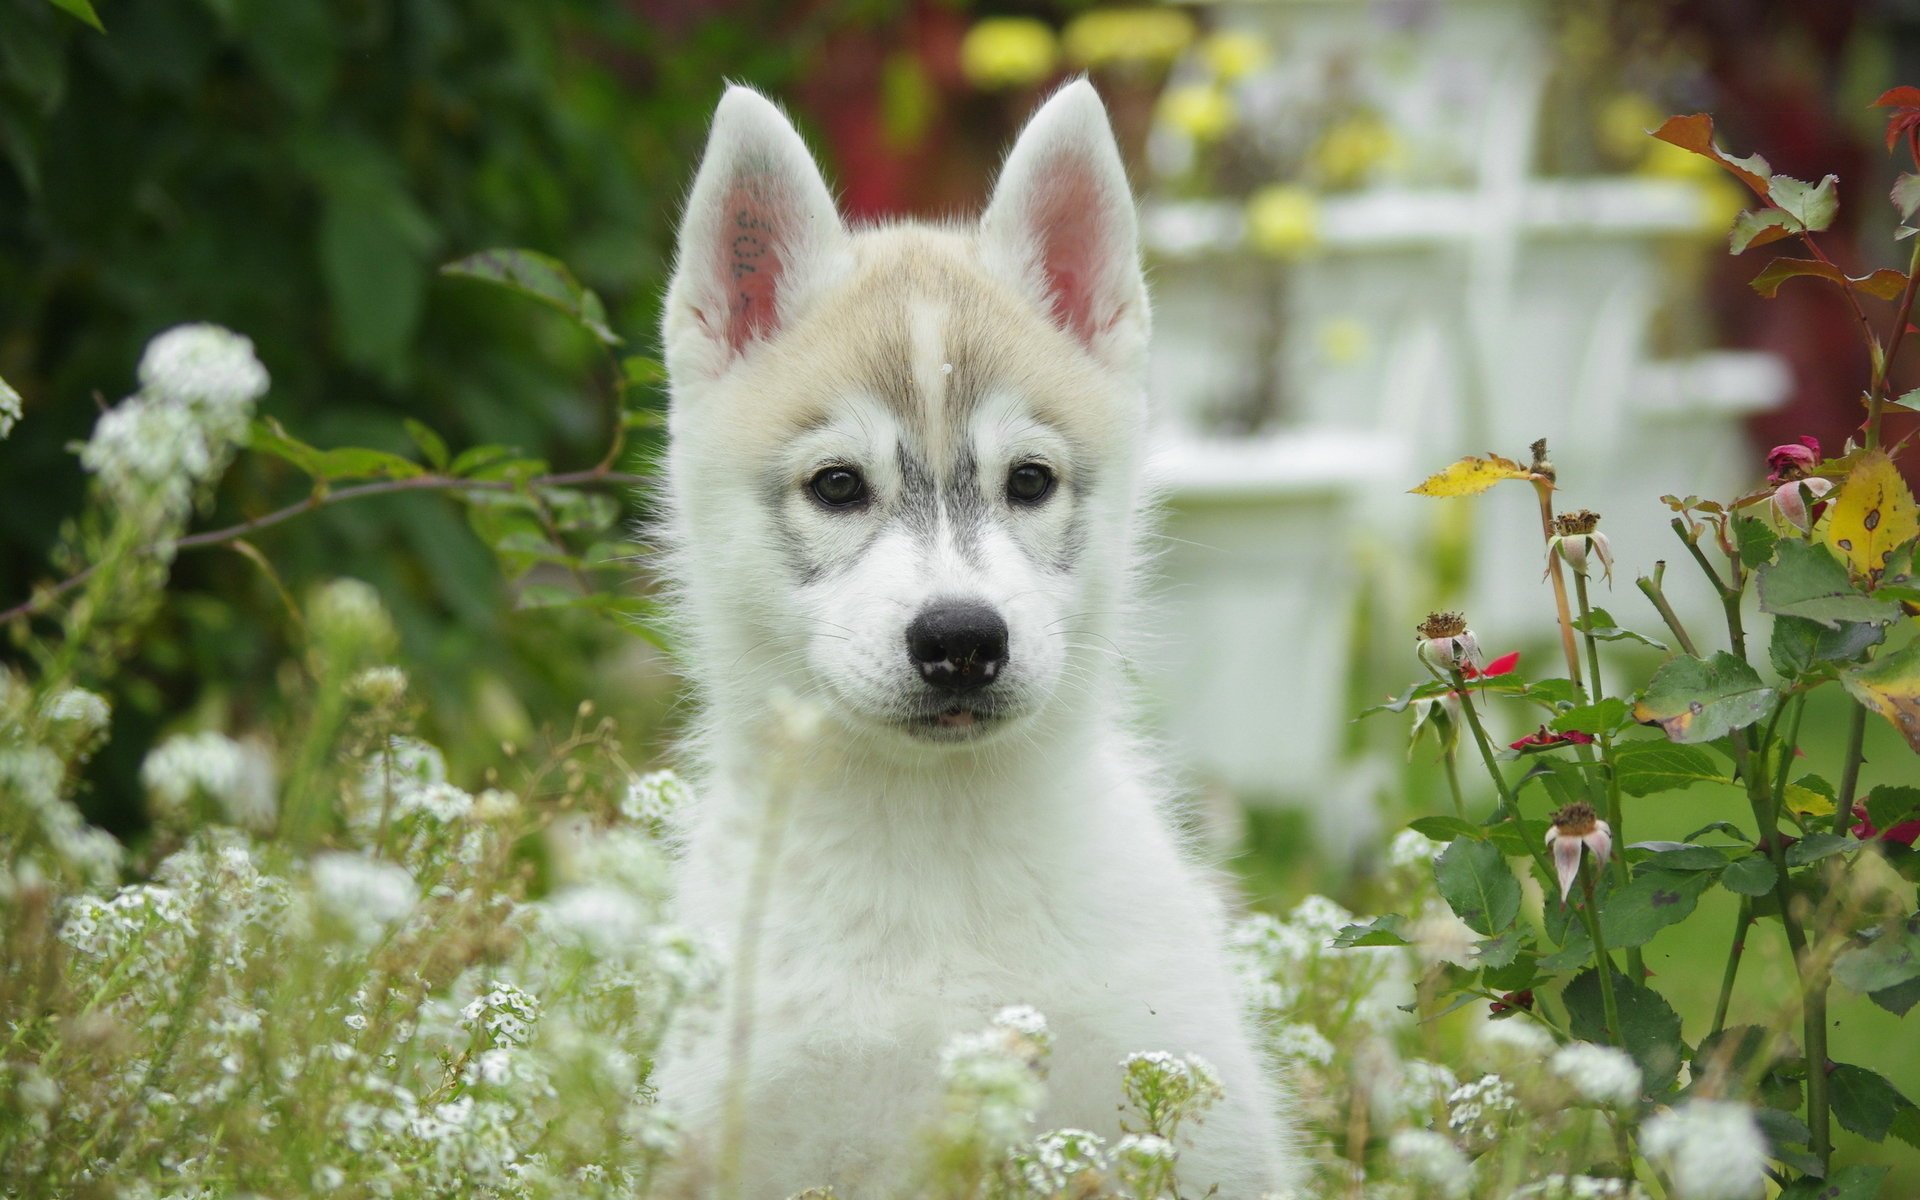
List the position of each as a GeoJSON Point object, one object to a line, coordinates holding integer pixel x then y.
{"type": "Point", "coordinates": [297, 170]}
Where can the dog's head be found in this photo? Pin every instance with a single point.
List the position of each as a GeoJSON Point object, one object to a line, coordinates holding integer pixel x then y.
{"type": "Point", "coordinates": [903, 467]}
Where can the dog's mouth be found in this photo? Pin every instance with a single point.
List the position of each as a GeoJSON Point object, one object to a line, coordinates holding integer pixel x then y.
{"type": "Point", "coordinates": [956, 723]}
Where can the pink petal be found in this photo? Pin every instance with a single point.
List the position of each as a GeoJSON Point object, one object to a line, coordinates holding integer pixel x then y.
{"type": "Point", "coordinates": [1566, 862]}
{"type": "Point", "coordinates": [1600, 841]}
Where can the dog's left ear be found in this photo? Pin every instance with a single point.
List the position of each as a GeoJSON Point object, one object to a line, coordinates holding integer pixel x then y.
{"type": "Point", "coordinates": [1061, 226]}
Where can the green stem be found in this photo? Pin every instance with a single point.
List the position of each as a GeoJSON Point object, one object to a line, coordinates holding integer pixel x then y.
{"type": "Point", "coordinates": [1850, 769]}
{"type": "Point", "coordinates": [1734, 952]}
{"type": "Point", "coordinates": [1602, 963]}
{"type": "Point", "coordinates": [1616, 813]}
{"type": "Point", "coordinates": [1508, 801]}
{"type": "Point", "coordinates": [1729, 594]}
{"type": "Point", "coordinates": [1651, 586]}
{"type": "Point", "coordinates": [1447, 759]}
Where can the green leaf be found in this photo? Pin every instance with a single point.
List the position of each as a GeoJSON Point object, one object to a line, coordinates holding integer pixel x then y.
{"type": "Point", "coordinates": [374, 245]}
{"type": "Point", "coordinates": [1908, 400]}
{"type": "Point", "coordinates": [1445, 829]}
{"type": "Point", "coordinates": [1884, 284]}
{"type": "Point", "coordinates": [1650, 902]}
{"type": "Point", "coordinates": [81, 9]}
{"type": "Point", "coordinates": [1477, 885]}
{"type": "Point", "coordinates": [1813, 205]}
{"type": "Point", "coordinates": [1816, 846]}
{"type": "Point", "coordinates": [1890, 804]}
{"type": "Point", "coordinates": [1600, 623]}
{"type": "Point", "coordinates": [1906, 194]}
{"type": "Point", "coordinates": [1699, 700]}
{"type": "Point", "coordinates": [267, 437]}
{"type": "Point", "coordinates": [1755, 540]}
{"type": "Point", "coordinates": [1890, 686]}
{"type": "Point", "coordinates": [354, 462]}
{"type": "Point", "coordinates": [542, 278]}
{"type": "Point", "coordinates": [1898, 1000]}
{"type": "Point", "coordinates": [1864, 1102]}
{"type": "Point", "coordinates": [1889, 960]}
{"type": "Point", "coordinates": [1496, 953]}
{"type": "Point", "coordinates": [1809, 582]}
{"type": "Point", "coordinates": [1753, 875]}
{"type": "Point", "coordinates": [1695, 133]}
{"type": "Point", "coordinates": [1604, 717]}
{"type": "Point", "coordinates": [1848, 1183]}
{"type": "Point", "coordinates": [1760, 226]}
{"type": "Point", "coordinates": [1687, 858]}
{"type": "Point", "coordinates": [1649, 1028]}
{"type": "Point", "coordinates": [1389, 930]}
{"type": "Point", "coordinates": [1645, 768]}
{"type": "Point", "coordinates": [431, 444]}
{"type": "Point", "coordinates": [1799, 645]}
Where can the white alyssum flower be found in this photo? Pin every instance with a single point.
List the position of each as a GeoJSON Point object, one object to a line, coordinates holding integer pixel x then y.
{"type": "Point", "coordinates": [364, 893]}
{"type": "Point", "coordinates": [1478, 1111]}
{"type": "Point", "coordinates": [504, 1013]}
{"type": "Point", "coordinates": [652, 798]}
{"type": "Point", "coordinates": [1433, 1159]}
{"type": "Point", "coordinates": [993, 1077]}
{"type": "Point", "coordinates": [210, 368]}
{"type": "Point", "coordinates": [11, 408]}
{"type": "Point", "coordinates": [236, 776]}
{"type": "Point", "coordinates": [1711, 1149]}
{"type": "Point", "coordinates": [1055, 1160]}
{"type": "Point", "coordinates": [605, 921]}
{"type": "Point", "coordinates": [87, 711]}
{"type": "Point", "coordinates": [378, 685]}
{"type": "Point", "coordinates": [1581, 1187]}
{"type": "Point", "coordinates": [1600, 1075]}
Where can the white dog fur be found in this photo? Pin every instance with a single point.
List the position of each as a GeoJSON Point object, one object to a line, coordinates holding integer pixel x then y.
{"type": "Point", "coordinates": [884, 866]}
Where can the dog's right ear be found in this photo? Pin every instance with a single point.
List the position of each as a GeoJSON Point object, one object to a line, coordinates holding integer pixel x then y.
{"type": "Point", "coordinates": [759, 240]}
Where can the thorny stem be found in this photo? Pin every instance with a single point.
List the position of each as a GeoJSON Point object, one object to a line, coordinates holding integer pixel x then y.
{"type": "Point", "coordinates": [1734, 952]}
{"type": "Point", "coordinates": [1876, 360]}
{"type": "Point", "coordinates": [1602, 961]}
{"type": "Point", "coordinates": [1850, 769]}
{"type": "Point", "coordinates": [1651, 586]}
{"type": "Point", "coordinates": [595, 477]}
{"type": "Point", "coordinates": [1877, 392]}
{"type": "Point", "coordinates": [1616, 813]}
{"type": "Point", "coordinates": [1729, 595]}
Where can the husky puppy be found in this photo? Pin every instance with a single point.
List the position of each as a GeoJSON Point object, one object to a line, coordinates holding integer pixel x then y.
{"type": "Point", "coordinates": [903, 495]}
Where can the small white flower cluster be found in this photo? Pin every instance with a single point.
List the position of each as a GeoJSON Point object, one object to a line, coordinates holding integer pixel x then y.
{"type": "Point", "coordinates": [1167, 1089]}
{"type": "Point", "coordinates": [1581, 1187]}
{"type": "Point", "coordinates": [1432, 1159]}
{"type": "Point", "coordinates": [994, 1077]}
{"type": "Point", "coordinates": [154, 450]}
{"type": "Point", "coordinates": [1711, 1149]}
{"type": "Point", "coordinates": [365, 895]}
{"type": "Point", "coordinates": [11, 409]}
{"type": "Point", "coordinates": [87, 711]}
{"type": "Point", "coordinates": [404, 779]}
{"type": "Point", "coordinates": [504, 1015]}
{"type": "Point", "coordinates": [1477, 1112]}
{"type": "Point", "coordinates": [238, 778]}
{"type": "Point", "coordinates": [1600, 1075]}
{"type": "Point", "coordinates": [653, 798]}
{"type": "Point", "coordinates": [1061, 1160]}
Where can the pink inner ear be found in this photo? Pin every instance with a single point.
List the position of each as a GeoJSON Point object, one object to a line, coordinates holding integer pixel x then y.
{"type": "Point", "coordinates": [1066, 219]}
{"type": "Point", "coordinates": [750, 260]}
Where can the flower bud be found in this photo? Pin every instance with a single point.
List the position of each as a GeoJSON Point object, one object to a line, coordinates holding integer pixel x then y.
{"type": "Point", "coordinates": [1578, 544]}
{"type": "Point", "coordinates": [1445, 642]}
{"type": "Point", "coordinates": [1792, 461]}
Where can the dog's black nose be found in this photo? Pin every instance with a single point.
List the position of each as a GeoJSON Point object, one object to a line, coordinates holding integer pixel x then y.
{"type": "Point", "coordinates": [958, 646]}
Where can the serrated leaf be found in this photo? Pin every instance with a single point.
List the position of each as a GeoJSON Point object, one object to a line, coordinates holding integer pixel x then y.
{"type": "Point", "coordinates": [1645, 768]}
{"type": "Point", "coordinates": [1389, 930]}
{"type": "Point", "coordinates": [1600, 623]}
{"type": "Point", "coordinates": [1445, 829]}
{"type": "Point", "coordinates": [1848, 1183]}
{"type": "Point", "coordinates": [1898, 1000]}
{"type": "Point", "coordinates": [1906, 194]}
{"type": "Point", "coordinates": [1605, 716]}
{"type": "Point", "coordinates": [82, 10]}
{"type": "Point", "coordinates": [1650, 902]}
{"type": "Point", "coordinates": [1813, 205]}
{"type": "Point", "coordinates": [1816, 846]}
{"type": "Point", "coordinates": [1686, 858]}
{"type": "Point", "coordinates": [1889, 960]}
{"type": "Point", "coordinates": [1476, 883]}
{"type": "Point", "coordinates": [1806, 581]}
{"type": "Point", "coordinates": [1885, 283]}
{"type": "Point", "coordinates": [1806, 802]}
{"type": "Point", "coordinates": [1471, 476]}
{"type": "Point", "coordinates": [1889, 804]}
{"type": "Point", "coordinates": [1760, 226]}
{"type": "Point", "coordinates": [540, 277]}
{"type": "Point", "coordinates": [1753, 875]}
{"type": "Point", "coordinates": [1695, 133]}
{"type": "Point", "coordinates": [1493, 954]}
{"type": "Point", "coordinates": [432, 445]}
{"type": "Point", "coordinates": [1799, 645]}
{"type": "Point", "coordinates": [1864, 1102]}
{"type": "Point", "coordinates": [1649, 1028]}
{"type": "Point", "coordinates": [1910, 399]}
{"type": "Point", "coordinates": [1890, 686]}
{"type": "Point", "coordinates": [1871, 514]}
{"type": "Point", "coordinates": [1699, 700]}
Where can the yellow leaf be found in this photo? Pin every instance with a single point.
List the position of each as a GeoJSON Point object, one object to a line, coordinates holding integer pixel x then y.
{"type": "Point", "coordinates": [1807, 802]}
{"type": "Point", "coordinates": [1873, 514]}
{"type": "Point", "coordinates": [1890, 686]}
{"type": "Point", "coordinates": [1471, 476]}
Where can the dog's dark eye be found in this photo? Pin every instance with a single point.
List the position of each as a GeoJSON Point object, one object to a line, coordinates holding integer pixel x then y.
{"type": "Point", "coordinates": [1029, 483]}
{"type": "Point", "coordinates": [838, 487]}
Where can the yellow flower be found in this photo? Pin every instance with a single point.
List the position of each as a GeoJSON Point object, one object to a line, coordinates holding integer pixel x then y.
{"type": "Point", "coordinates": [1127, 35]}
{"type": "Point", "coordinates": [1233, 55]}
{"type": "Point", "coordinates": [1351, 149]}
{"type": "Point", "coordinates": [1004, 52]}
{"type": "Point", "coordinates": [1200, 110]}
{"type": "Point", "coordinates": [1283, 220]}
